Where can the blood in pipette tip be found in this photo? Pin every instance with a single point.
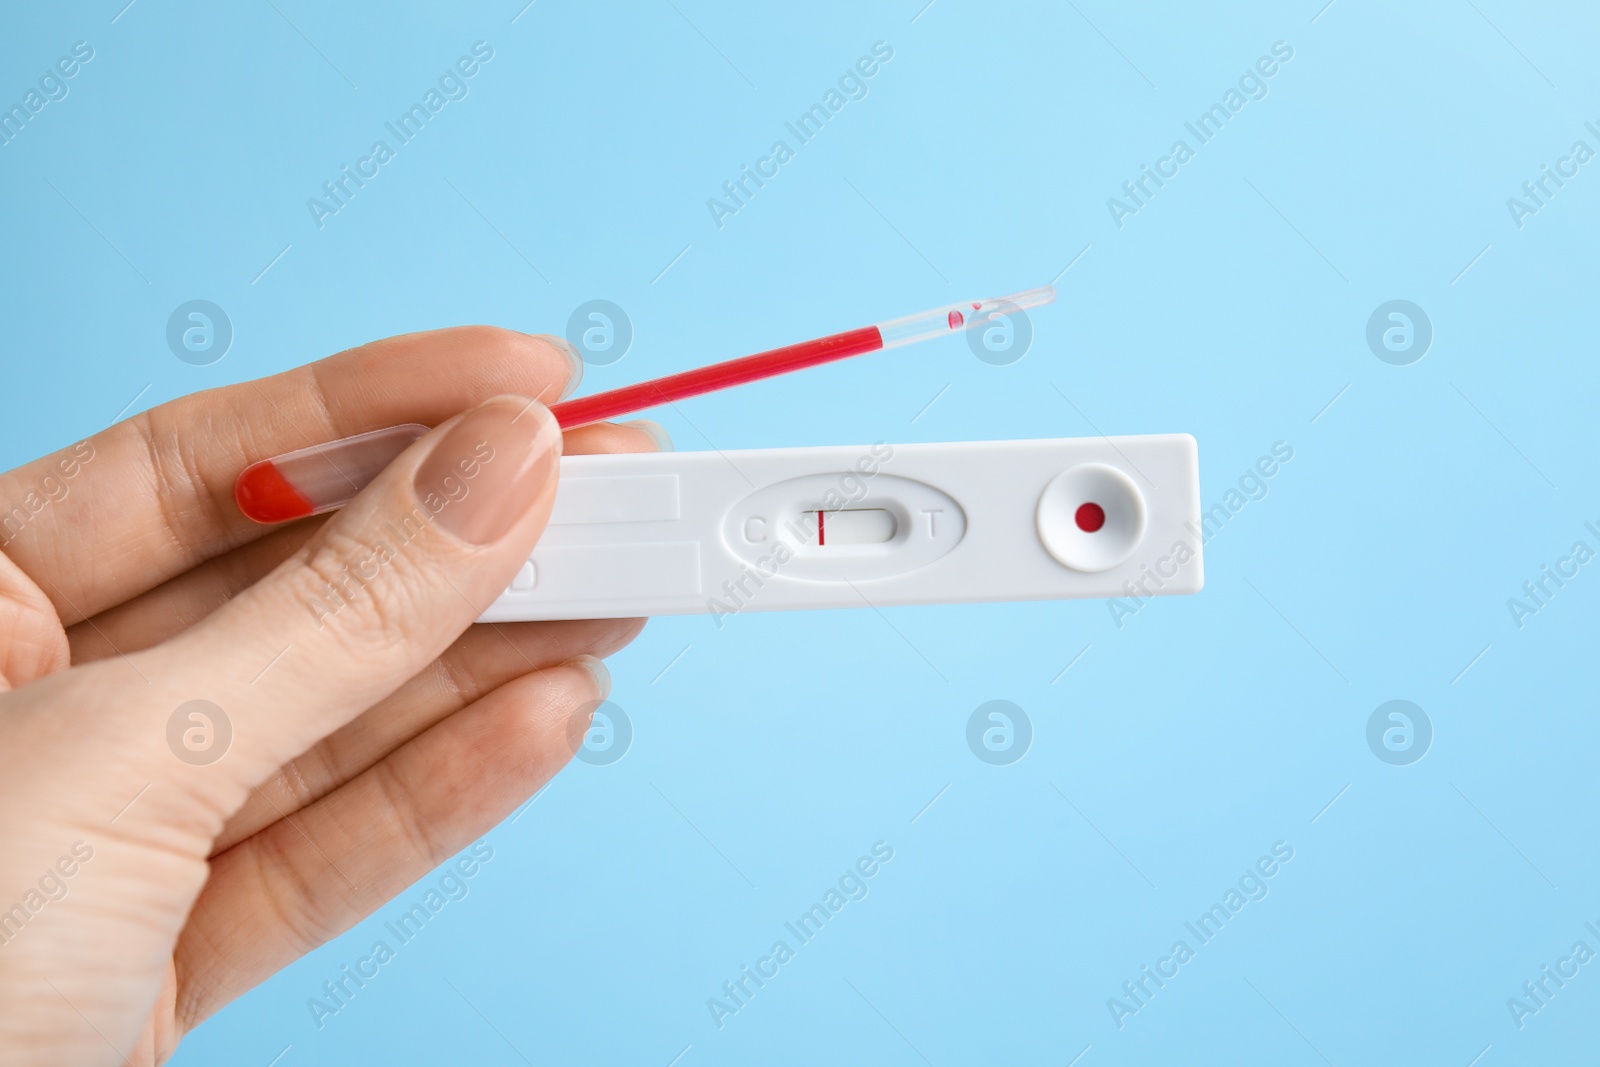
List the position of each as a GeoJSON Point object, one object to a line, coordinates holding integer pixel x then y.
{"type": "Point", "coordinates": [956, 320]}
{"type": "Point", "coordinates": [265, 495]}
{"type": "Point", "coordinates": [320, 478]}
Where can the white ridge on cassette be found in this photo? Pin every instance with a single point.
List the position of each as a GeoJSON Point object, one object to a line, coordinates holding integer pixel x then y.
{"type": "Point", "coordinates": [680, 533]}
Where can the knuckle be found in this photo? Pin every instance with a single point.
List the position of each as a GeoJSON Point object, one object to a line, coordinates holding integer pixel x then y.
{"type": "Point", "coordinates": [375, 592]}
{"type": "Point", "coordinates": [179, 478]}
{"type": "Point", "coordinates": [286, 790]}
{"type": "Point", "coordinates": [306, 903]}
{"type": "Point", "coordinates": [408, 823]}
{"type": "Point", "coordinates": [303, 780]}
{"type": "Point", "coordinates": [457, 679]}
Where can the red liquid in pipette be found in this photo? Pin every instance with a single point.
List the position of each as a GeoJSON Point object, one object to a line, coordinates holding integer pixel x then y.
{"type": "Point", "coordinates": [630, 398]}
{"type": "Point", "coordinates": [267, 494]}
{"type": "Point", "coordinates": [322, 477]}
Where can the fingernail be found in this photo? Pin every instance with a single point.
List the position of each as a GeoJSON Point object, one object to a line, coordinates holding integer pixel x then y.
{"type": "Point", "coordinates": [574, 364]}
{"type": "Point", "coordinates": [597, 670]}
{"type": "Point", "coordinates": [486, 471]}
{"type": "Point", "coordinates": [655, 431]}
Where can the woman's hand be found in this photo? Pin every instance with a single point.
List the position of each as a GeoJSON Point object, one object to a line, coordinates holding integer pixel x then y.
{"type": "Point", "coordinates": [158, 857]}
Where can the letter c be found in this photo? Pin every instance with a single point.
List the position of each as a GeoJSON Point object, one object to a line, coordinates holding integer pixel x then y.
{"type": "Point", "coordinates": [1163, 171]}
{"type": "Point", "coordinates": [362, 169]}
{"type": "Point", "coordinates": [1573, 173]}
{"type": "Point", "coordinates": [1563, 971]}
{"type": "Point", "coordinates": [362, 972]}
{"type": "Point", "coordinates": [763, 170]}
{"type": "Point", "coordinates": [1161, 569]}
{"type": "Point", "coordinates": [1573, 573]}
{"type": "Point", "coordinates": [1163, 971]}
{"type": "Point", "coordinates": [760, 535]}
{"type": "Point", "coordinates": [762, 971]}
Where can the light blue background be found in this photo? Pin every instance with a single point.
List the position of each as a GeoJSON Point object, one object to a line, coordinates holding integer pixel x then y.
{"type": "Point", "coordinates": [1179, 747]}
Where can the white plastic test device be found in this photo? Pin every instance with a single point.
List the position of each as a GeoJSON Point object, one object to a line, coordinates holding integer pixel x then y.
{"type": "Point", "coordinates": [680, 533]}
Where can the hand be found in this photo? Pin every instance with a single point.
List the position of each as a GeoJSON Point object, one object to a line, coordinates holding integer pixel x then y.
{"type": "Point", "coordinates": [144, 883]}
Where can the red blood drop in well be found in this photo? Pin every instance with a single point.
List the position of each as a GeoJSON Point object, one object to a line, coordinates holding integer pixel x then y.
{"type": "Point", "coordinates": [1090, 517]}
{"type": "Point", "coordinates": [955, 319]}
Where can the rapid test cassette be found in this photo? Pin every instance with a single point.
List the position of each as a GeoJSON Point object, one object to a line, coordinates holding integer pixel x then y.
{"type": "Point", "coordinates": [679, 533]}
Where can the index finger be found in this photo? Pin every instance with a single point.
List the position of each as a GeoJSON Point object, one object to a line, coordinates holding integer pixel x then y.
{"type": "Point", "coordinates": [151, 497]}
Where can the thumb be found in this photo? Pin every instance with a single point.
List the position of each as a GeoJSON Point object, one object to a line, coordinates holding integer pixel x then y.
{"type": "Point", "coordinates": [379, 592]}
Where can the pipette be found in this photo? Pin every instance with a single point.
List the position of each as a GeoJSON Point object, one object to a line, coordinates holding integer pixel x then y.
{"type": "Point", "coordinates": [324, 477]}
